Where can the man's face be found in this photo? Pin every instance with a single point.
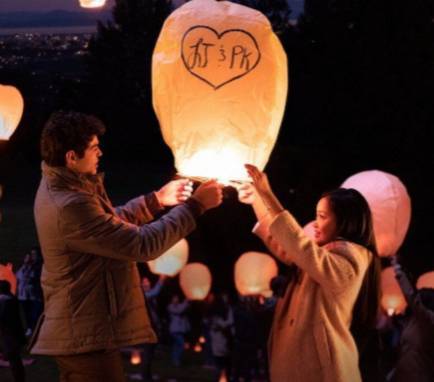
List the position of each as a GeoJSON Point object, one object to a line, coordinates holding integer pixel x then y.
{"type": "Point", "coordinates": [89, 163]}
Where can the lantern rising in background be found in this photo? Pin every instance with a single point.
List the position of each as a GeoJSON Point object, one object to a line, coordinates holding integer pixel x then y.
{"type": "Point", "coordinates": [11, 110]}
{"type": "Point", "coordinates": [136, 358]}
{"type": "Point", "coordinates": [390, 206]}
{"type": "Point", "coordinates": [92, 3]}
{"type": "Point", "coordinates": [7, 273]}
{"type": "Point", "coordinates": [392, 301]}
{"type": "Point", "coordinates": [253, 273]}
{"type": "Point", "coordinates": [172, 261]}
{"type": "Point", "coordinates": [219, 82]}
{"type": "Point", "coordinates": [195, 280]}
{"type": "Point", "coordinates": [426, 281]}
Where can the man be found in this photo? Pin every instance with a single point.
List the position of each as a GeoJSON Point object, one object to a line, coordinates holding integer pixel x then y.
{"type": "Point", "coordinates": [93, 299]}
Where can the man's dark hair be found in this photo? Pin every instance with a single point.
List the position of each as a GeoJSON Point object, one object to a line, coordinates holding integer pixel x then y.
{"type": "Point", "coordinates": [65, 131]}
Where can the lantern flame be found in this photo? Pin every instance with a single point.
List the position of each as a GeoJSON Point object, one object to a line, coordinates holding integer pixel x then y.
{"type": "Point", "coordinates": [92, 3]}
{"type": "Point", "coordinates": [136, 359]}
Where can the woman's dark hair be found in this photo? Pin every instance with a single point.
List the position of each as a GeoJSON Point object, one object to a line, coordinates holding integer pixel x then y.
{"type": "Point", "coordinates": [65, 131]}
{"type": "Point", "coordinates": [354, 224]}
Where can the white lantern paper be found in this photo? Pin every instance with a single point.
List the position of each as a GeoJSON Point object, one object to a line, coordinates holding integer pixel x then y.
{"type": "Point", "coordinates": [426, 281]}
{"type": "Point", "coordinates": [11, 110]}
{"type": "Point", "coordinates": [253, 273]}
{"type": "Point", "coordinates": [219, 81]}
{"type": "Point", "coordinates": [92, 3]}
{"type": "Point", "coordinates": [7, 273]}
{"type": "Point", "coordinates": [195, 280]}
{"type": "Point", "coordinates": [392, 300]}
{"type": "Point", "coordinates": [172, 261]}
{"type": "Point", "coordinates": [390, 206]}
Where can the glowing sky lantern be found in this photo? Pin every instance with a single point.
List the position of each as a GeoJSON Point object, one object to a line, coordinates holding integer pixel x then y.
{"type": "Point", "coordinates": [195, 280]}
{"type": "Point", "coordinates": [172, 261]}
{"type": "Point", "coordinates": [392, 300]}
{"type": "Point", "coordinates": [92, 3]}
{"type": "Point", "coordinates": [135, 358]}
{"type": "Point", "coordinates": [390, 205]}
{"type": "Point", "coordinates": [253, 273]}
{"type": "Point", "coordinates": [7, 273]}
{"type": "Point", "coordinates": [426, 281]}
{"type": "Point", "coordinates": [11, 110]}
{"type": "Point", "coordinates": [219, 81]}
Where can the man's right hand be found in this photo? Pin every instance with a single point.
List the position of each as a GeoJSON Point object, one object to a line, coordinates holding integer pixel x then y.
{"type": "Point", "coordinates": [209, 194]}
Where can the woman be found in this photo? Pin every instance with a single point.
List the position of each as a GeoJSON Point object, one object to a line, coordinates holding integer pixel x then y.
{"type": "Point", "coordinates": [335, 285]}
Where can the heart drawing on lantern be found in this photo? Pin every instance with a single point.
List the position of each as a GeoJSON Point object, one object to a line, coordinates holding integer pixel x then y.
{"type": "Point", "coordinates": [219, 58]}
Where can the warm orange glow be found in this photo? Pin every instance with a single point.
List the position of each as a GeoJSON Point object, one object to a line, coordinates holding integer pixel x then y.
{"type": "Point", "coordinates": [227, 75]}
{"type": "Point", "coordinates": [195, 280]}
{"type": "Point", "coordinates": [6, 273]}
{"type": "Point", "coordinates": [172, 261]}
{"type": "Point", "coordinates": [136, 358]}
{"type": "Point", "coordinates": [197, 348]}
{"type": "Point", "coordinates": [253, 273]}
{"type": "Point", "coordinates": [202, 339]}
{"type": "Point", "coordinates": [11, 110]}
{"type": "Point", "coordinates": [392, 301]}
{"type": "Point", "coordinates": [92, 3]}
{"type": "Point", "coordinates": [426, 280]}
{"type": "Point", "coordinates": [390, 205]}
{"type": "Point", "coordinates": [223, 377]}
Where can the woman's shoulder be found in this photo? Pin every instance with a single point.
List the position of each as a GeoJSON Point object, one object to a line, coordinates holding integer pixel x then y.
{"type": "Point", "coordinates": [348, 249]}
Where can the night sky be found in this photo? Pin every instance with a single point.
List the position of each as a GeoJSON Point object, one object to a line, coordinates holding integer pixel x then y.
{"type": "Point", "coordinates": [42, 5]}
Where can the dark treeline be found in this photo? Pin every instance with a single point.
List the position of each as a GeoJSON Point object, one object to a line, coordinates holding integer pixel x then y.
{"type": "Point", "coordinates": [360, 97]}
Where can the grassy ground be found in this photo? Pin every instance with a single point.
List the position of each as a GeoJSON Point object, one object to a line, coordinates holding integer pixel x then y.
{"type": "Point", "coordinates": [44, 369]}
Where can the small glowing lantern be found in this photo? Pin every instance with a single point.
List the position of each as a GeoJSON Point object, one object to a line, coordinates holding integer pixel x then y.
{"type": "Point", "coordinates": [172, 261]}
{"type": "Point", "coordinates": [426, 281]}
{"type": "Point", "coordinates": [136, 358]}
{"type": "Point", "coordinates": [392, 301]}
{"type": "Point", "coordinates": [197, 348]}
{"type": "Point", "coordinates": [11, 110]}
{"type": "Point", "coordinates": [195, 281]}
{"type": "Point", "coordinates": [202, 340]}
{"type": "Point", "coordinates": [227, 75]}
{"type": "Point", "coordinates": [223, 377]}
{"type": "Point", "coordinates": [6, 273]}
{"type": "Point", "coordinates": [253, 273]}
{"type": "Point", "coordinates": [92, 3]}
{"type": "Point", "coordinates": [390, 206]}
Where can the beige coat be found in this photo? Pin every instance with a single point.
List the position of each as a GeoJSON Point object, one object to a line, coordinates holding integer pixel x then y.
{"type": "Point", "coordinates": [310, 340]}
{"type": "Point", "coordinates": [92, 292]}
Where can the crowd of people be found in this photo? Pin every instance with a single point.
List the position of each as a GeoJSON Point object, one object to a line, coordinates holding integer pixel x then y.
{"type": "Point", "coordinates": [322, 323]}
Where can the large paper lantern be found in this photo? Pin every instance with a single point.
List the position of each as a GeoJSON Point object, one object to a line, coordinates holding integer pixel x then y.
{"type": "Point", "coordinates": [390, 206]}
{"type": "Point", "coordinates": [219, 82]}
{"type": "Point", "coordinates": [253, 273]}
{"type": "Point", "coordinates": [195, 281]}
{"type": "Point", "coordinates": [11, 110]}
{"type": "Point", "coordinates": [426, 281]}
{"type": "Point", "coordinates": [392, 300]}
{"type": "Point", "coordinates": [7, 273]}
{"type": "Point", "coordinates": [172, 261]}
{"type": "Point", "coordinates": [92, 3]}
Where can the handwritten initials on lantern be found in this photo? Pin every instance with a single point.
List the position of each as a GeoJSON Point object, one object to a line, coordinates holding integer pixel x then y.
{"type": "Point", "coordinates": [219, 58]}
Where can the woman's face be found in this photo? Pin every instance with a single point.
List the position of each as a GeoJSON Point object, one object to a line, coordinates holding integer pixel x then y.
{"type": "Point", "coordinates": [325, 223]}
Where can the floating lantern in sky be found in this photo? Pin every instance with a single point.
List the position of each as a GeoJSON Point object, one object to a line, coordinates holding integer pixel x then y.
{"type": "Point", "coordinates": [195, 281]}
{"type": "Point", "coordinates": [92, 3]}
{"type": "Point", "coordinates": [426, 281]}
{"type": "Point", "coordinates": [392, 301]}
{"type": "Point", "coordinates": [172, 261]}
{"type": "Point", "coordinates": [136, 358]}
{"type": "Point", "coordinates": [390, 206]}
{"type": "Point", "coordinates": [219, 81]}
{"type": "Point", "coordinates": [6, 273]}
{"type": "Point", "coordinates": [253, 273]}
{"type": "Point", "coordinates": [11, 110]}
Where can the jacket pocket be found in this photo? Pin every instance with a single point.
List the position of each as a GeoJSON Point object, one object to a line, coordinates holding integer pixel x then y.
{"type": "Point", "coordinates": [111, 295]}
{"type": "Point", "coordinates": [322, 344]}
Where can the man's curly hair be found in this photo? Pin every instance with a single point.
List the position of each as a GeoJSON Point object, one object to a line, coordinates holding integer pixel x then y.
{"type": "Point", "coordinates": [65, 131]}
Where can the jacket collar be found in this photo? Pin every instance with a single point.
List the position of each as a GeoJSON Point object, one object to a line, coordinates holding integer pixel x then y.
{"type": "Point", "coordinates": [63, 177]}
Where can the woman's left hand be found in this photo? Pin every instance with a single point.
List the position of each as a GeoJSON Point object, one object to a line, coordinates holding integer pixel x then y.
{"type": "Point", "coordinates": [260, 180]}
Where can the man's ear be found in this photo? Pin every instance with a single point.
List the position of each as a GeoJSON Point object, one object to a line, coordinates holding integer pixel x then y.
{"type": "Point", "coordinates": [70, 158]}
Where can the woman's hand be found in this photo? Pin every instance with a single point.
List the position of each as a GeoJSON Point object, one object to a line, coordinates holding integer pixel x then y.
{"type": "Point", "coordinates": [260, 180]}
{"type": "Point", "coordinates": [247, 193]}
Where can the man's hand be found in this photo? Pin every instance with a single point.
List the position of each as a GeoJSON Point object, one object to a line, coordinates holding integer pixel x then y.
{"type": "Point", "coordinates": [174, 192]}
{"type": "Point", "coordinates": [209, 194]}
{"type": "Point", "coordinates": [246, 193]}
